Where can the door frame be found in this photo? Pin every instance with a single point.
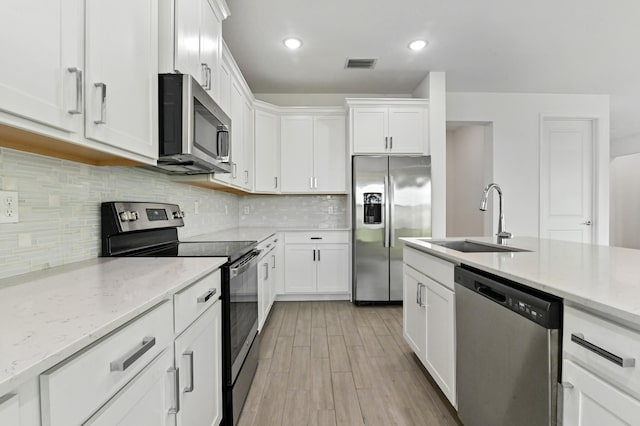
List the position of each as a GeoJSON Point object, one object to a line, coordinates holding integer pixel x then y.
{"type": "Point", "coordinates": [595, 172]}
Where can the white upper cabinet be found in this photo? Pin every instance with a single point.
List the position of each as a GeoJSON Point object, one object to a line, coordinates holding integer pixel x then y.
{"type": "Point", "coordinates": [267, 151]}
{"type": "Point", "coordinates": [237, 133]}
{"type": "Point", "coordinates": [389, 126]}
{"type": "Point", "coordinates": [42, 47]}
{"type": "Point", "coordinates": [313, 154]}
{"type": "Point", "coordinates": [198, 41]}
{"type": "Point", "coordinates": [297, 154]}
{"type": "Point", "coordinates": [329, 154]}
{"type": "Point", "coordinates": [248, 154]}
{"type": "Point", "coordinates": [224, 97]}
{"type": "Point", "coordinates": [121, 74]}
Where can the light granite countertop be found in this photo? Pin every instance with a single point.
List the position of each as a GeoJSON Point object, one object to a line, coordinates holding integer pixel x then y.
{"type": "Point", "coordinates": [47, 316]}
{"type": "Point", "coordinates": [252, 233]}
{"type": "Point", "coordinates": [602, 279]}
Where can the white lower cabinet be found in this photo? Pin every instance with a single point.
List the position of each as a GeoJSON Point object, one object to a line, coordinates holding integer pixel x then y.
{"type": "Point", "coordinates": [414, 312]}
{"type": "Point", "coordinates": [429, 316]}
{"type": "Point", "coordinates": [10, 410]}
{"type": "Point", "coordinates": [145, 401]}
{"type": "Point", "coordinates": [591, 401]}
{"type": "Point", "coordinates": [198, 355]}
{"type": "Point", "coordinates": [316, 263]}
{"type": "Point", "coordinates": [266, 286]}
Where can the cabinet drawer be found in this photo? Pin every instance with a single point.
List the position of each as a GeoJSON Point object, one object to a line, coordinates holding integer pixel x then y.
{"type": "Point", "coordinates": [317, 237]}
{"type": "Point", "coordinates": [609, 345]}
{"type": "Point", "coordinates": [75, 388]}
{"type": "Point", "coordinates": [195, 299]}
{"type": "Point", "coordinates": [433, 267]}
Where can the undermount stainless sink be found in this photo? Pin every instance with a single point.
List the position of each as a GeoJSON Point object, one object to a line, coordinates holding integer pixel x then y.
{"type": "Point", "coordinates": [467, 246]}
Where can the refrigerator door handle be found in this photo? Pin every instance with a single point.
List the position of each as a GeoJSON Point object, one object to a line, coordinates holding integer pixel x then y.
{"type": "Point", "coordinates": [392, 212]}
{"type": "Point", "coordinates": [386, 212]}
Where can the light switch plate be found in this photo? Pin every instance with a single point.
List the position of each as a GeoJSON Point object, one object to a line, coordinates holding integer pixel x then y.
{"type": "Point", "coordinates": [246, 210]}
{"type": "Point", "coordinates": [9, 207]}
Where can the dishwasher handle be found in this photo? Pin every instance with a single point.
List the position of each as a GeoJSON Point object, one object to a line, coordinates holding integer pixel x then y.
{"type": "Point", "coordinates": [491, 293]}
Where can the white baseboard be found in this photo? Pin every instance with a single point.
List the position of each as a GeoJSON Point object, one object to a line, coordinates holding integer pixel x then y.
{"type": "Point", "coordinates": [312, 297]}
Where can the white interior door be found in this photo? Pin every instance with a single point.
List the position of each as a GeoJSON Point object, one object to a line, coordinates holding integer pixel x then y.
{"type": "Point", "coordinates": [566, 180]}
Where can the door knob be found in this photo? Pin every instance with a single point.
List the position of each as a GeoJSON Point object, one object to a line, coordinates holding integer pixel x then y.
{"type": "Point", "coordinates": [588, 223]}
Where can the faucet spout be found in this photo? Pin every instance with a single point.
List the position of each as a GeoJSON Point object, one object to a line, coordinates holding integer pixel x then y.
{"type": "Point", "coordinates": [502, 233]}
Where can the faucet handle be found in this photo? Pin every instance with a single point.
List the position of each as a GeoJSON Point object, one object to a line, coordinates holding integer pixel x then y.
{"type": "Point", "coordinates": [504, 234]}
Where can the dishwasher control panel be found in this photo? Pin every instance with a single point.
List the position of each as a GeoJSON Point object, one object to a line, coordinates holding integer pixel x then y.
{"type": "Point", "coordinates": [534, 312]}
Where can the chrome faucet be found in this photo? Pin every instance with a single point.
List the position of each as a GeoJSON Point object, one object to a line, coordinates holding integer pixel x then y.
{"type": "Point", "coordinates": [502, 234]}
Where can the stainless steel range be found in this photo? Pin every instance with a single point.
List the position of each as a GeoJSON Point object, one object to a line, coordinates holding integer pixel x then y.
{"type": "Point", "coordinates": [151, 229]}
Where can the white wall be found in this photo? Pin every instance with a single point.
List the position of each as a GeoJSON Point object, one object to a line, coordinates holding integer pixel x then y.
{"type": "Point", "coordinates": [516, 122]}
{"type": "Point", "coordinates": [318, 99]}
{"type": "Point", "coordinates": [465, 181]}
{"type": "Point", "coordinates": [434, 88]}
{"type": "Point", "coordinates": [625, 146]}
{"type": "Point", "coordinates": [625, 201]}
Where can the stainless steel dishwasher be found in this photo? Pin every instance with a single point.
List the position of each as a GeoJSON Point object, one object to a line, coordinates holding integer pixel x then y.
{"type": "Point", "coordinates": [508, 341]}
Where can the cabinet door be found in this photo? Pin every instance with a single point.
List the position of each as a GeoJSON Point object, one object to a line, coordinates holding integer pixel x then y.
{"type": "Point", "coordinates": [9, 410]}
{"type": "Point", "coordinates": [329, 154]}
{"type": "Point", "coordinates": [267, 152]}
{"type": "Point", "coordinates": [40, 41]}
{"type": "Point", "coordinates": [370, 128]}
{"type": "Point", "coordinates": [224, 96]}
{"type": "Point", "coordinates": [440, 346]}
{"type": "Point", "coordinates": [414, 312]}
{"type": "Point", "coordinates": [333, 268]}
{"type": "Point", "coordinates": [264, 291]}
{"type": "Point", "coordinates": [210, 43]}
{"type": "Point", "coordinates": [122, 74]}
{"type": "Point", "coordinates": [187, 38]}
{"type": "Point", "coordinates": [237, 136]}
{"type": "Point", "coordinates": [198, 353]}
{"type": "Point", "coordinates": [144, 401]}
{"type": "Point", "coordinates": [300, 268]}
{"type": "Point", "coordinates": [247, 158]}
{"type": "Point", "coordinates": [593, 402]}
{"type": "Point", "coordinates": [296, 154]}
{"type": "Point", "coordinates": [407, 130]}
{"type": "Point", "coordinates": [274, 276]}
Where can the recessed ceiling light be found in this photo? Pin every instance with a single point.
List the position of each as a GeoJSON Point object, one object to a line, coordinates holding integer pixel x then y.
{"type": "Point", "coordinates": [292, 43]}
{"type": "Point", "coordinates": [417, 45]}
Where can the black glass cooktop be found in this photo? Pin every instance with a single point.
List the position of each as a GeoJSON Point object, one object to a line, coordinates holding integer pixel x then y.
{"type": "Point", "coordinates": [231, 249]}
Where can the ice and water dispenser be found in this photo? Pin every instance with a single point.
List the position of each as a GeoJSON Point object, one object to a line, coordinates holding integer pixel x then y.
{"type": "Point", "coordinates": [372, 208]}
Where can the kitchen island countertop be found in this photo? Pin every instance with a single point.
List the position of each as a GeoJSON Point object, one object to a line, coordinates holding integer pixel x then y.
{"type": "Point", "coordinates": [605, 280]}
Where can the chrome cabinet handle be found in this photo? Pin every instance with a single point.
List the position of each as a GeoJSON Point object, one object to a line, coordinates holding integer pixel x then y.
{"type": "Point", "coordinates": [315, 238]}
{"type": "Point", "coordinates": [315, 182]}
{"type": "Point", "coordinates": [310, 182]}
{"type": "Point", "coordinates": [588, 223]}
{"type": "Point", "coordinates": [246, 176]}
{"type": "Point", "coordinates": [189, 354]}
{"type": "Point", "coordinates": [208, 78]}
{"type": "Point", "coordinates": [266, 271]}
{"type": "Point", "coordinates": [205, 76]}
{"type": "Point", "coordinates": [208, 295]}
{"type": "Point", "coordinates": [132, 356]}
{"type": "Point", "coordinates": [103, 103]}
{"type": "Point", "coordinates": [314, 255]}
{"type": "Point", "coordinates": [276, 182]}
{"type": "Point", "coordinates": [392, 212]}
{"type": "Point", "coordinates": [386, 142]}
{"type": "Point", "coordinates": [78, 73]}
{"type": "Point", "coordinates": [579, 339]}
{"type": "Point", "coordinates": [273, 260]}
{"type": "Point", "coordinates": [235, 171]}
{"type": "Point", "coordinates": [418, 294]}
{"type": "Point", "coordinates": [385, 243]}
{"type": "Point", "coordinates": [175, 372]}
{"type": "Point", "coordinates": [391, 142]}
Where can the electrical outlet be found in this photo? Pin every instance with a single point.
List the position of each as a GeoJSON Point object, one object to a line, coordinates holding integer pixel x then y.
{"type": "Point", "coordinates": [246, 210]}
{"type": "Point", "coordinates": [8, 207]}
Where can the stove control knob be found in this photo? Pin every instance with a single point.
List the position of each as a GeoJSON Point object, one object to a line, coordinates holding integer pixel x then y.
{"type": "Point", "coordinates": [125, 216]}
{"type": "Point", "coordinates": [178, 215]}
{"type": "Point", "coordinates": [134, 215]}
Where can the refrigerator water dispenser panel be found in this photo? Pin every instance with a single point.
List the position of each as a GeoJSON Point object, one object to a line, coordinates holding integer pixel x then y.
{"type": "Point", "coordinates": [372, 208]}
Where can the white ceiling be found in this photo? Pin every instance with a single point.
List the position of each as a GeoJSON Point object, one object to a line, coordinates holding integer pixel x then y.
{"type": "Point", "coordinates": [540, 46]}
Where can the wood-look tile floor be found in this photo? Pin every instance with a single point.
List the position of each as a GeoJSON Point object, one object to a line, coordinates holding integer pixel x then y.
{"type": "Point", "coordinates": [332, 363]}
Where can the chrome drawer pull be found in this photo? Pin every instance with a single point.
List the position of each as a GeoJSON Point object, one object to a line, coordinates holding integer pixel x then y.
{"type": "Point", "coordinates": [617, 360]}
{"type": "Point", "coordinates": [103, 103]}
{"type": "Point", "coordinates": [78, 73]}
{"type": "Point", "coordinates": [131, 357]}
{"type": "Point", "coordinates": [189, 354]}
{"type": "Point", "coordinates": [208, 295]}
{"type": "Point", "coordinates": [176, 391]}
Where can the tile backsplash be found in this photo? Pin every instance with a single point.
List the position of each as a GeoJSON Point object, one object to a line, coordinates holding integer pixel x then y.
{"type": "Point", "coordinates": [291, 211]}
{"type": "Point", "coordinates": [59, 208]}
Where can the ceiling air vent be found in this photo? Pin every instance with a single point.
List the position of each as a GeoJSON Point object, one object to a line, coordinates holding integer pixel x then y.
{"type": "Point", "coordinates": [361, 64]}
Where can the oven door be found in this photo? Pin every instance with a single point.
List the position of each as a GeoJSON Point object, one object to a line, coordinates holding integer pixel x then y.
{"type": "Point", "coordinates": [243, 309]}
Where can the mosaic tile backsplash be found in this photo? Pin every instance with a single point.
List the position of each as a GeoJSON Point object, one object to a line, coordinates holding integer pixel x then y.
{"type": "Point", "coordinates": [291, 211]}
{"type": "Point", "coordinates": [59, 208]}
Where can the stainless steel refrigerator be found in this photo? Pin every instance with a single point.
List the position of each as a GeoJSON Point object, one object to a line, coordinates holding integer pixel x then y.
{"type": "Point", "coordinates": [391, 199]}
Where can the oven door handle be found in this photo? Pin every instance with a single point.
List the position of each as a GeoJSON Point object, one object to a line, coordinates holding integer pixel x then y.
{"type": "Point", "coordinates": [244, 263]}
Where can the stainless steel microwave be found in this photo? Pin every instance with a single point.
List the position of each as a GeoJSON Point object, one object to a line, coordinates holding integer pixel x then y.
{"type": "Point", "coordinates": [194, 133]}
